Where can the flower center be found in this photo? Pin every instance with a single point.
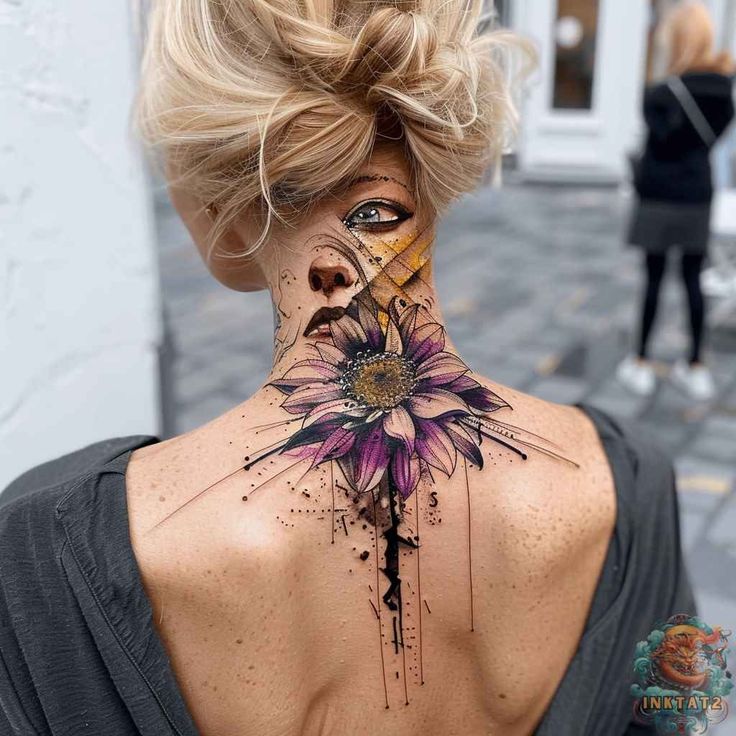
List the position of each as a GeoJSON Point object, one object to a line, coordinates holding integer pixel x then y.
{"type": "Point", "coordinates": [379, 381]}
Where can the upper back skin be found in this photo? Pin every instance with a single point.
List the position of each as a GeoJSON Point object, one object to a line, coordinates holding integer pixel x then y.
{"type": "Point", "coordinates": [269, 608]}
{"type": "Point", "coordinates": [360, 547]}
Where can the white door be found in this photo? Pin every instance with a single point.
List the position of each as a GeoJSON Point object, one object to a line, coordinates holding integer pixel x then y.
{"type": "Point", "coordinates": [581, 114]}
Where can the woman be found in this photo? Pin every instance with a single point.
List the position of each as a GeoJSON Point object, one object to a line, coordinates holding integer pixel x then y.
{"type": "Point", "coordinates": [374, 541]}
{"type": "Point", "coordinates": [685, 115]}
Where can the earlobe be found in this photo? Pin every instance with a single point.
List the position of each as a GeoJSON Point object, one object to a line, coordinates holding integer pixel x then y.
{"type": "Point", "coordinates": [223, 260]}
{"type": "Point", "coordinates": [232, 269]}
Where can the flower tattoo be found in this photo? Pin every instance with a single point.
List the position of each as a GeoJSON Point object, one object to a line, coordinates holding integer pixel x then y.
{"type": "Point", "coordinates": [376, 406]}
{"type": "Point", "coordinates": [392, 399]}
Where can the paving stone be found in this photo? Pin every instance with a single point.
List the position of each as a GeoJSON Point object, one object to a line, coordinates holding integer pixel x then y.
{"type": "Point", "coordinates": [703, 482]}
{"type": "Point", "coordinates": [515, 375]}
{"type": "Point", "coordinates": [692, 527]}
{"type": "Point", "coordinates": [712, 566]}
{"type": "Point", "coordinates": [612, 397]}
{"type": "Point", "coordinates": [559, 389]}
{"type": "Point", "coordinates": [716, 611]}
{"type": "Point", "coordinates": [722, 531]}
{"type": "Point", "coordinates": [717, 440]}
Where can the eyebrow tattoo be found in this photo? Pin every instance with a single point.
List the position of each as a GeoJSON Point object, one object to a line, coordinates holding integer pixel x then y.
{"type": "Point", "coordinates": [367, 178]}
{"type": "Point", "coordinates": [371, 419]}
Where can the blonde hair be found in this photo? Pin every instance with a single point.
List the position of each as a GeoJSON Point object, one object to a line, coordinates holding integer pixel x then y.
{"type": "Point", "coordinates": [261, 107]}
{"type": "Point", "coordinates": [688, 33]}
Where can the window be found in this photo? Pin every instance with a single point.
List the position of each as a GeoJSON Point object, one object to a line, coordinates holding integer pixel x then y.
{"type": "Point", "coordinates": [576, 30]}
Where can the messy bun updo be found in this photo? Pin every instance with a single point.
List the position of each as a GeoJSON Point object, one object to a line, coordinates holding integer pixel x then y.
{"type": "Point", "coordinates": [261, 107]}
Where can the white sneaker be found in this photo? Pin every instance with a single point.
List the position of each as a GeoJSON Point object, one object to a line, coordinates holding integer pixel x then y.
{"type": "Point", "coordinates": [637, 375]}
{"type": "Point", "coordinates": [695, 380]}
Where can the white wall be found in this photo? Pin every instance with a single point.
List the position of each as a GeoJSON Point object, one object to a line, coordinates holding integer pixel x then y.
{"type": "Point", "coordinates": [79, 316]}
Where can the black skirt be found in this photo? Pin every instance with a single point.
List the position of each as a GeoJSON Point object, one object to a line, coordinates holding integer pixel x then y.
{"type": "Point", "coordinates": [656, 226]}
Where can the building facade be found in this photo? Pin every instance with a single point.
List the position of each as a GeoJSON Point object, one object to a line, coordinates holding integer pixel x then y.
{"type": "Point", "coordinates": [581, 114]}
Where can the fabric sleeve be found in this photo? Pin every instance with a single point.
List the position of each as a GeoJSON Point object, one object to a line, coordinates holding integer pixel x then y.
{"type": "Point", "coordinates": [14, 719]}
{"type": "Point", "coordinates": [637, 729]}
{"type": "Point", "coordinates": [4, 724]}
{"type": "Point", "coordinates": [21, 712]}
{"type": "Point", "coordinates": [680, 597]}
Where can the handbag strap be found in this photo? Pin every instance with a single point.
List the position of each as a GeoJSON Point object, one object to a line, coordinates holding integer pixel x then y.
{"type": "Point", "coordinates": [692, 110]}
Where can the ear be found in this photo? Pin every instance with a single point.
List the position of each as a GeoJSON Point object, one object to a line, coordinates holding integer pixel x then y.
{"type": "Point", "coordinates": [238, 273]}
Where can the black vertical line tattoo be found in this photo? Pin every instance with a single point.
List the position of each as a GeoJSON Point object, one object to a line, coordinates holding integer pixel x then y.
{"type": "Point", "coordinates": [396, 634]}
{"type": "Point", "coordinates": [470, 550]}
{"type": "Point", "coordinates": [403, 660]}
{"type": "Point", "coordinates": [419, 593]}
{"type": "Point", "coordinates": [332, 485]}
{"type": "Point", "coordinates": [378, 600]}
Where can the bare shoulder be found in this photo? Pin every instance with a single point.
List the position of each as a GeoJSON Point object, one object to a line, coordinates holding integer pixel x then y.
{"type": "Point", "coordinates": [571, 435]}
{"type": "Point", "coordinates": [568, 497]}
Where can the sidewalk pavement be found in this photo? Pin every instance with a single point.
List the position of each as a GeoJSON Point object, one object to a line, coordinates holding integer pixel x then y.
{"type": "Point", "coordinates": [540, 295]}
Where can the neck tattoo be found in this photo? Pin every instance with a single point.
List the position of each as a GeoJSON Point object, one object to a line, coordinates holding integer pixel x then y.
{"type": "Point", "coordinates": [377, 413]}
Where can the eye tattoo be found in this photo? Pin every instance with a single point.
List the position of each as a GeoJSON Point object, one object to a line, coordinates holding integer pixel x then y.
{"type": "Point", "coordinates": [376, 215]}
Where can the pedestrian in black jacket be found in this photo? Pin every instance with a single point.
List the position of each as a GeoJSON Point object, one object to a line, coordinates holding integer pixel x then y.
{"type": "Point", "coordinates": [685, 115]}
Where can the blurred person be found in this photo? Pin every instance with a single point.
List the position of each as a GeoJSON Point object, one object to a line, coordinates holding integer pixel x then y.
{"type": "Point", "coordinates": [685, 115]}
{"type": "Point", "coordinates": [379, 539]}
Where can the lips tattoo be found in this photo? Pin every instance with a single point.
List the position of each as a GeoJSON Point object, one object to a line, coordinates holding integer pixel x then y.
{"type": "Point", "coordinates": [322, 317]}
{"type": "Point", "coordinates": [393, 400]}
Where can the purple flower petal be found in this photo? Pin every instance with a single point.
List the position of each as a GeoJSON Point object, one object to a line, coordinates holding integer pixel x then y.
{"type": "Point", "coordinates": [398, 424]}
{"type": "Point", "coordinates": [369, 323]}
{"type": "Point", "coordinates": [462, 383]}
{"type": "Point", "coordinates": [442, 368]}
{"type": "Point", "coordinates": [289, 385]}
{"type": "Point", "coordinates": [305, 372]}
{"type": "Point", "coordinates": [393, 339]}
{"type": "Point", "coordinates": [436, 402]}
{"type": "Point", "coordinates": [339, 443]}
{"type": "Point", "coordinates": [330, 353]}
{"type": "Point", "coordinates": [341, 406]}
{"type": "Point", "coordinates": [321, 369]}
{"type": "Point", "coordinates": [370, 458]}
{"type": "Point", "coordinates": [425, 341]}
{"type": "Point", "coordinates": [408, 322]}
{"type": "Point", "coordinates": [393, 309]}
{"type": "Point", "coordinates": [306, 397]}
{"type": "Point", "coordinates": [312, 436]}
{"type": "Point", "coordinates": [348, 335]}
{"type": "Point", "coordinates": [464, 443]}
{"type": "Point", "coordinates": [405, 471]}
{"type": "Point", "coordinates": [345, 463]}
{"type": "Point", "coordinates": [434, 446]}
{"type": "Point", "coordinates": [483, 399]}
